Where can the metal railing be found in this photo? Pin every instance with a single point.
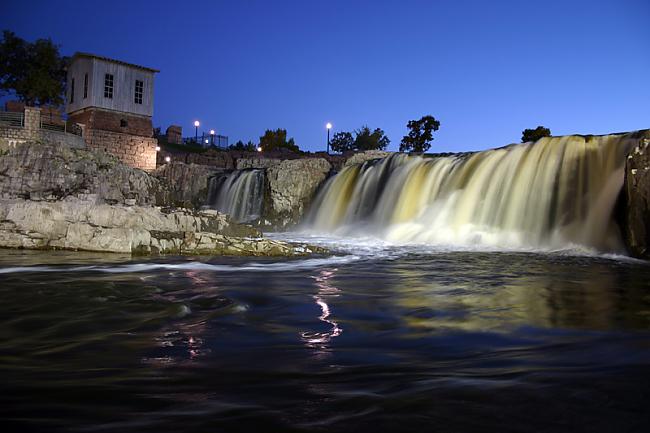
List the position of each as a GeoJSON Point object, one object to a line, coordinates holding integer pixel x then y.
{"type": "Point", "coordinates": [207, 141]}
{"type": "Point", "coordinates": [65, 127]}
{"type": "Point", "coordinates": [8, 118]}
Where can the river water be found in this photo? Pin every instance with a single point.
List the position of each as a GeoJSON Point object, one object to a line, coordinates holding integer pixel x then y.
{"type": "Point", "coordinates": [375, 338]}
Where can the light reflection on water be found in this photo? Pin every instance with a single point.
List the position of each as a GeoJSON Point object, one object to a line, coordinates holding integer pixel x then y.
{"type": "Point", "coordinates": [326, 291]}
{"type": "Point", "coordinates": [403, 341]}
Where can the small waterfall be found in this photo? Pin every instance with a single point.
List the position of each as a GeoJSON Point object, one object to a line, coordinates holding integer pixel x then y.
{"type": "Point", "coordinates": [240, 194]}
{"type": "Point", "coordinates": [556, 193]}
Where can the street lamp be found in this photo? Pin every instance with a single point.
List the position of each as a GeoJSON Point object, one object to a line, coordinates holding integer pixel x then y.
{"type": "Point", "coordinates": [259, 149]}
{"type": "Point", "coordinates": [157, 148]}
{"type": "Point", "coordinates": [196, 133]}
{"type": "Point", "coordinates": [212, 136]}
{"type": "Point", "coordinates": [328, 126]}
{"type": "Point", "coordinates": [167, 159]}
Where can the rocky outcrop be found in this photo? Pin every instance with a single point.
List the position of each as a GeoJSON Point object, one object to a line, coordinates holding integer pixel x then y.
{"type": "Point", "coordinates": [368, 155]}
{"type": "Point", "coordinates": [79, 225]}
{"type": "Point", "coordinates": [213, 158]}
{"type": "Point", "coordinates": [187, 183]}
{"type": "Point", "coordinates": [636, 198]}
{"type": "Point", "coordinates": [37, 171]}
{"type": "Point", "coordinates": [244, 163]}
{"type": "Point", "coordinates": [292, 185]}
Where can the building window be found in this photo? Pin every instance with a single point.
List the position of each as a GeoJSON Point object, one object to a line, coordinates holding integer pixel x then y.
{"type": "Point", "coordinates": [139, 89]}
{"type": "Point", "coordinates": [124, 123]}
{"type": "Point", "coordinates": [85, 86]}
{"type": "Point", "coordinates": [72, 91]}
{"type": "Point", "coordinates": [108, 86]}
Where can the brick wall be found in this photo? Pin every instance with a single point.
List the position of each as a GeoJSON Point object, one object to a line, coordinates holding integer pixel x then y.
{"type": "Point", "coordinates": [136, 151]}
{"type": "Point", "coordinates": [114, 121]}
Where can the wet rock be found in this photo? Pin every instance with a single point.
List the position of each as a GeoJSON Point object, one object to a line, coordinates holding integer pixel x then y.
{"type": "Point", "coordinates": [636, 198]}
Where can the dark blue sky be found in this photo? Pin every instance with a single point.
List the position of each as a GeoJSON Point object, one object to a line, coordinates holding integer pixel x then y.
{"type": "Point", "coordinates": [485, 69]}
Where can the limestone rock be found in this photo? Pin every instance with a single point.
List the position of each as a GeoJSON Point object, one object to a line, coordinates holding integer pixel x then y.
{"type": "Point", "coordinates": [292, 185]}
{"type": "Point", "coordinates": [368, 155]}
{"type": "Point", "coordinates": [38, 171]}
{"type": "Point", "coordinates": [80, 225]}
{"type": "Point", "coordinates": [187, 183]}
{"type": "Point", "coordinates": [244, 163]}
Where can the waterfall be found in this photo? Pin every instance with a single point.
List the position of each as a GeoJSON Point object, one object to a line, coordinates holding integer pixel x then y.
{"type": "Point", "coordinates": [558, 192]}
{"type": "Point", "coordinates": [239, 194]}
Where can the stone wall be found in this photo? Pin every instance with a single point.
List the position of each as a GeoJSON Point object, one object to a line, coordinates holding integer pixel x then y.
{"type": "Point", "coordinates": [31, 131]}
{"type": "Point", "coordinates": [214, 159]}
{"type": "Point", "coordinates": [237, 159]}
{"type": "Point", "coordinates": [136, 151]}
{"type": "Point", "coordinates": [174, 134]}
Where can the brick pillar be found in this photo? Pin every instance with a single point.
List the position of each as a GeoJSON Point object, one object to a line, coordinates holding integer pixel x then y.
{"type": "Point", "coordinates": [33, 122]}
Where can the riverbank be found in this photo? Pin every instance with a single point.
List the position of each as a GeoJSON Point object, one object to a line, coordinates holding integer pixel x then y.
{"type": "Point", "coordinates": [57, 197]}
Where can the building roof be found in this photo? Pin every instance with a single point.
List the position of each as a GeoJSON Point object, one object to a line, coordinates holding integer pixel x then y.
{"type": "Point", "coordinates": [106, 59]}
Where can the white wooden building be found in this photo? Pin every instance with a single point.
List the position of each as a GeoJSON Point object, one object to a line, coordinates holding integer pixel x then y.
{"type": "Point", "coordinates": [100, 82]}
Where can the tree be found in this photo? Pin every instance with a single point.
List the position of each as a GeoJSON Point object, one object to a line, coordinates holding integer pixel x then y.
{"type": "Point", "coordinates": [250, 146]}
{"type": "Point", "coordinates": [367, 140]}
{"type": "Point", "coordinates": [420, 134]}
{"type": "Point", "coordinates": [534, 134]}
{"type": "Point", "coordinates": [277, 140]}
{"type": "Point", "coordinates": [364, 139]}
{"type": "Point", "coordinates": [342, 142]}
{"type": "Point", "coordinates": [34, 72]}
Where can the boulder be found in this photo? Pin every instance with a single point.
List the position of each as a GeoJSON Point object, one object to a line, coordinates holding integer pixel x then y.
{"type": "Point", "coordinates": [368, 155]}
{"type": "Point", "coordinates": [292, 184]}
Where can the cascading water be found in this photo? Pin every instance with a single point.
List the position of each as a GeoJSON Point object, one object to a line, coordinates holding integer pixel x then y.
{"type": "Point", "coordinates": [556, 193]}
{"type": "Point", "coordinates": [239, 194]}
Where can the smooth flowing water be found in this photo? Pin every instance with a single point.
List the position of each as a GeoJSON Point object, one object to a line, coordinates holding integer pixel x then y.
{"type": "Point", "coordinates": [239, 194]}
{"type": "Point", "coordinates": [375, 338]}
{"type": "Point", "coordinates": [555, 192]}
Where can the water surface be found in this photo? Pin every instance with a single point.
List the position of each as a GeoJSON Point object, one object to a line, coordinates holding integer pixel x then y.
{"type": "Point", "coordinates": [374, 339]}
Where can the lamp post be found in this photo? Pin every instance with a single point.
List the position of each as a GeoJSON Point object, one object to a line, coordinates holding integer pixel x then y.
{"type": "Point", "coordinates": [328, 126]}
{"type": "Point", "coordinates": [212, 136]}
{"type": "Point", "coordinates": [196, 131]}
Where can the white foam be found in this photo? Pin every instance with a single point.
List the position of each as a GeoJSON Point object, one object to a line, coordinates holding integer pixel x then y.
{"type": "Point", "coordinates": [193, 266]}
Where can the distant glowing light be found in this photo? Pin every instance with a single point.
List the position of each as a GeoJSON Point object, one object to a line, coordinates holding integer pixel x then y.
{"type": "Point", "coordinates": [328, 126]}
{"type": "Point", "coordinates": [197, 123]}
{"type": "Point", "coordinates": [259, 149]}
{"type": "Point", "coordinates": [206, 141]}
{"type": "Point", "coordinates": [157, 148]}
{"type": "Point", "coordinates": [167, 159]}
{"type": "Point", "coordinates": [212, 132]}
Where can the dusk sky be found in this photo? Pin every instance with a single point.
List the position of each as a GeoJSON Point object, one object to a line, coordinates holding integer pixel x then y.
{"type": "Point", "coordinates": [485, 69]}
